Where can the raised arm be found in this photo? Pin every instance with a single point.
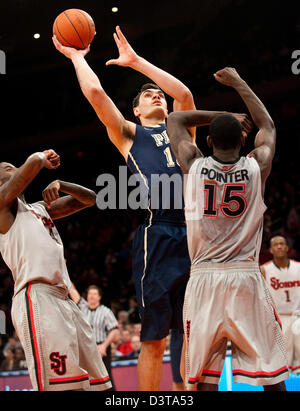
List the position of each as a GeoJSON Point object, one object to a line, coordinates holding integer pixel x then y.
{"type": "Point", "coordinates": [179, 124]}
{"type": "Point", "coordinates": [183, 98]}
{"type": "Point", "coordinates": [120, 131]}
{"type": "Point", "coordinates": [23, 176]}
{"type": "Point", "coordinates": [265, 141]}
{"type": "Point", "coordinates": [17, 180]}
{"type": "Point", "coordinates": [77, 199]}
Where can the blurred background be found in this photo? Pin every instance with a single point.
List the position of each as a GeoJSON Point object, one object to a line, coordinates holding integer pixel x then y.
{"type": "Point", "coordinates": [42, 107]}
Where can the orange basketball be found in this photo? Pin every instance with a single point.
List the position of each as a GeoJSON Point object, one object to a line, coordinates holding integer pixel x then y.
{"type": "Point", "coordinates": [74, 28]}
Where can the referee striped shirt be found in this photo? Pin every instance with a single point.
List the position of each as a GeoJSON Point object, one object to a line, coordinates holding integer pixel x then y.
{"type": "Point", "coordinates": [101, 319]}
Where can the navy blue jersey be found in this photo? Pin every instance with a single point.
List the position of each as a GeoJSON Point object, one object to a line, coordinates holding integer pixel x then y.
{"type": "Point", "coordinates": [154, 163]}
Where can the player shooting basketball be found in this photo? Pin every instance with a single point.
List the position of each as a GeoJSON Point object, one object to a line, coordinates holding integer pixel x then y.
{"type": "Point", "coordinates": [226, 296]}
{"type": "Point", "coordinates": [160, 256]}
{"type": "Point", "coordinates": [60, 350]}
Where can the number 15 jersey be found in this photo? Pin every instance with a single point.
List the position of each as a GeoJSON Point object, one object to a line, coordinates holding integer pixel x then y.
{"type": "Point", "coordinates": [224, 210]}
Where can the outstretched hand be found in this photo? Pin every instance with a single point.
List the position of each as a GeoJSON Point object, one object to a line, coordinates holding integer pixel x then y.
{"type": "Point", "coordinates": [127, 56]}
{"type": "Point", "coordinates": [69, 51]}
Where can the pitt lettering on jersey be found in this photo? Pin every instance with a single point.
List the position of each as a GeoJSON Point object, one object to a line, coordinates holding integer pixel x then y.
{"type": "Point", "coordinates": [276, 284]}
{"type": "Point", "coordinates": [236, 177]}
{"type": "Point", "coordinates": [58, 364]}
{"type": "Point", "coordinates": [161, 139]}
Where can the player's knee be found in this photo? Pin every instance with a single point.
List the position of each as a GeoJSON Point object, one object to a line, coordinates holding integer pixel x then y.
{"type": "Point", "coordinates": [155, 347]}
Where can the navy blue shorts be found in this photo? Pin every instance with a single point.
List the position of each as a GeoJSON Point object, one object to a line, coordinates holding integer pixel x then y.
{"type": "Point", "coordinates": [161, 268]}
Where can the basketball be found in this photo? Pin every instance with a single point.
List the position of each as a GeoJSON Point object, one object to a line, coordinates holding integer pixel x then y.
{"type": "Point", "coordinates": [74, 28]}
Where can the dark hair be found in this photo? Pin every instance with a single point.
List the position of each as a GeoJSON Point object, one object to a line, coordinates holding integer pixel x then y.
{"type": "Point", "coordinates": [94, 287]}
{"type": "Point", "coordinates": [225, 132]}
{"type": "Point", "coordinates": [145, 87]}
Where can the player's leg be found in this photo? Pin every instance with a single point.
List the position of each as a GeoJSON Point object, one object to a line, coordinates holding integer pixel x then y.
{"type": "Point", "coordinates": [275, 387]}
{"type": "Point", "coordinates": [202, 386]}
{"type": "Point", "coordinates": [177, 294]}
{"type": "Point", "coordinates": [176, 345]}
{"type": "Point", "coordinates": [203, 315]}
{"type": "Point", "coordinates": [258, 351]}
{"type": "Point", "coordinates": [89, 357]}
{"type": "Point", "coordinates": [286, 324]}
{"type": "Point", "coordinates": [51, 351]}
{"type": "Point", "coordinates": [152, 278]}
{"type": "Point", "coordinates": [296, 342]}
{"type": "Point", "coordinates": [150, 364]}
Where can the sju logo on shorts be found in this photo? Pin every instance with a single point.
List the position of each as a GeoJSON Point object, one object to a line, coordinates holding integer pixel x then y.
{"type": "Point", "coordinates": [58, 364]}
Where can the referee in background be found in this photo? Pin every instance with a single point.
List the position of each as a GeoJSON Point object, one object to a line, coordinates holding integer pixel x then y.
{"type": "Point", "coordinates": [102, 320]}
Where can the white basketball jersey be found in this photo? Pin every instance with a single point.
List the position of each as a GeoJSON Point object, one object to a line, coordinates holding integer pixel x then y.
{"type": "Point", "coordinates": [224, 210]}
{"type": "Point", "coordinates": [284, 285]}
{"type": "Point", "coordinates": [33, 250]}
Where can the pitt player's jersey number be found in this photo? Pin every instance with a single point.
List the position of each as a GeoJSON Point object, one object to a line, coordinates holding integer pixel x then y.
{"type": "Point", "coordinates": [160, 140]}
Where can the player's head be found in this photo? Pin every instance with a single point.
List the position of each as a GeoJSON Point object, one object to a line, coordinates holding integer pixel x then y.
{"type": "Point", "coordinates": [278, 247]}
{"type": "Point", "coordinates": [7, 170]}
{"type": "Point", "coordinates": [94, 295]}
{"type": "Point", "coordinates": [225, 133]}
{"type": "Point", "coordinates": [150, 103]}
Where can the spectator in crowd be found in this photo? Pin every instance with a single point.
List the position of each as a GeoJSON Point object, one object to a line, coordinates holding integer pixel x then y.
{"type": "Point", "coordinates": [8, 364]}
{"type": "Point", "coordinates": [12, 344]}
{"type": "Point", "coordinates": [137, 329]}
{"type": "Point", "coordinates": [125, 347]}
{"type": "Point", "coordinates": [20, 361]}
{"type": "Point", "coordinates": [115, 353]}
{"type": "Point", "coordinates": [122, 319]}
{"type": "Point", "coordinates": [136, 347]}
{"type": "Point", "coordinates": [133, 312]}
{"type": "Point", "coordinates": [1, 348]}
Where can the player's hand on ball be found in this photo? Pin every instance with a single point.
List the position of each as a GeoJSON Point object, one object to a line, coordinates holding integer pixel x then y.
{"type": "Point", "coordinates": [51, 193]}
{"type": "Point", "coordinates": [228, 76]}
{"type": "Point", "coordinates": [52, 159]}
{"type": "Point", "coordinates": [69, 52]}
{"type": "Point", "coordinates": [127, 56]}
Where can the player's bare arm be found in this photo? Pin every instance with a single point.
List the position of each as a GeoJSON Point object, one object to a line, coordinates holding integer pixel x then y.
{"type": "Point", "coordinates": [113, 336]}
{"type": "Point", "coordinates": [74, 294]}
{"type": "Point", "coordinates": [263, 271]}
{"type": "Point", "coordinates": [120, 131]}
{"type": "Point", "coordinates": [265, 141]}
{"type": "Point", "coordinates": [77, 198]}
{"type": "Point", "coordinates": [19, 180]}
{"type": "Point", "coordinates": [179, 124]}
{"type": "Point", "coordinates": [183, 98]}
